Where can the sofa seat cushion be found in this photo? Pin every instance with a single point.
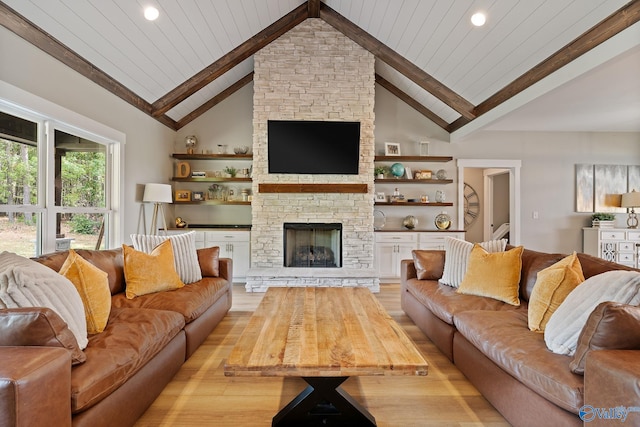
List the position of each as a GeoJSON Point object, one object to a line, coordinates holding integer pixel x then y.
{"type": "Point", "coordinates": [445, 303]}
{"type": "Point", "coordinates": [505, 338]}
{"type": "Point", "coordinates": [191, 300]}
{"type": "Point", "coordinates": [131, 338]}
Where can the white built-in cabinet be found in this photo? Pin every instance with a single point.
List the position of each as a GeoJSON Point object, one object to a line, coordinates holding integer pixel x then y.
{"type": "Point", "coordinates": [620, 245]}
{"type": "Point", "coordinates": [234, 244]}
{"type": "Point", "coordinates": [392, 247]}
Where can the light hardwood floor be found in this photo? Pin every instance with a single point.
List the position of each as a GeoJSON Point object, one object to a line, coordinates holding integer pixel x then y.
{"type": "Point", "coordinates": [200, 394]}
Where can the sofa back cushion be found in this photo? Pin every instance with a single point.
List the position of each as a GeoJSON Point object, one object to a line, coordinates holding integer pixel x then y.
{"type": "Point", "coordinates": [592, 265]}
{"type": "Point", "coordinates": [532, 263]}
{"type": "Point", "coordinates": [109, 261]}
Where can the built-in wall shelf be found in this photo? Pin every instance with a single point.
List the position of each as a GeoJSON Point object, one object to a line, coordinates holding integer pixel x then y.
{"type": "Point", "coordinates": [211, 179]}
{"type": "Point", "coordinates": [414, 181]}
{"type": "Point", "coordinates": [413, 204]}
{"type": "Point", "coordinates": [214, 202]}
{"type": "Point", "coordinates": [440, 159]}
{"type": "Point", "coordinates": [185, 156]}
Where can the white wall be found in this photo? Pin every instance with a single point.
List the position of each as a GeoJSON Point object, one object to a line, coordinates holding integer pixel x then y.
{"type": "Point", "coordinates": [548, 159]}
{"type": "Point", "coordinates": [148, 142]}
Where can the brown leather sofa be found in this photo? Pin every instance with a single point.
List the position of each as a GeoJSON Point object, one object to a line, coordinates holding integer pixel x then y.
{"type": "Point", "coordinates": [145, 343]}
{"type": "Point", "coordinates": [489, 341]}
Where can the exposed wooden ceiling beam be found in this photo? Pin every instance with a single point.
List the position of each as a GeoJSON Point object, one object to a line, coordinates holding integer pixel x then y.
{"type": "Point", "coordinates": [215, 100]}
{"type": "Point", "coordinates": [607, 28]}
{"type": "Point", "coordinates": [35, 35]}
{"type": "Point", "coordinates": [399, 63]}
{"type": "Point", "coordinates": [230, 60]}
{"type": "Point", "coordinates": [411, 102]}
{"type": "Point", "coordinates": [313, 8]}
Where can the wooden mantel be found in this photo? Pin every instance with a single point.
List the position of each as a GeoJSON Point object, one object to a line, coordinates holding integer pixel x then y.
{"type": "Point", "coordinates": [313, 188]}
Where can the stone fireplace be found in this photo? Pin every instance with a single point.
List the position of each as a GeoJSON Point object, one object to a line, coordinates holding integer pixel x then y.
{"type": "Point", "coordinates": [313, 72]}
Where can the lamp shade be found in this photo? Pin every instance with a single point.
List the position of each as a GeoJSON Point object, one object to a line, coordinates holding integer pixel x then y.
{"type": "Point", "coordinates": [630, 200]}
{"type": "Point", "coordinates": [157, 193]}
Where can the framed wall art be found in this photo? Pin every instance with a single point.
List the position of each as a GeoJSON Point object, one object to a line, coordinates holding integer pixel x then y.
{"type": "Point", "coordinates": [391, 149]}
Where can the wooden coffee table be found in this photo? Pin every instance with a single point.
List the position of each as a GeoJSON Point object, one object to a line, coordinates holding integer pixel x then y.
{"type": "Point", "coordinates": [323, 335]}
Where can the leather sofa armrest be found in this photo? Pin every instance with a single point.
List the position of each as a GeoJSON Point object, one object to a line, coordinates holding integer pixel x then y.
{"type": "Point", "coordinates": [612, 380]}
{"type": "Point", "coordinates": [226, 269]}
{"type": "Point", "coordinates": [35, 386]}
{"type": "Point", "coordinates": [407, 272]}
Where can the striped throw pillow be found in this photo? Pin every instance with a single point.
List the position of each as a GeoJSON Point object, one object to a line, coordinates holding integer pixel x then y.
{"type": "Point", "coordinates": [456, 259]}
{"type": "Point", "coordinates": [185, 255]}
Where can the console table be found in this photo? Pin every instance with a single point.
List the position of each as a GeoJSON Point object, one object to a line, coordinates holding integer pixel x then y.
{"type": "Point", "coordinates": [621, 245]}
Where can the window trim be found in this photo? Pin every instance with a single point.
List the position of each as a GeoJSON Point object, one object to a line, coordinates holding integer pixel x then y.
{"type": "Point", "coordinates": [47, 114]}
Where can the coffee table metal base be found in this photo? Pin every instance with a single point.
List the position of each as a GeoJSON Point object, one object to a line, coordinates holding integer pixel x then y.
{"type": "Point", "coordinates": [323, 403]}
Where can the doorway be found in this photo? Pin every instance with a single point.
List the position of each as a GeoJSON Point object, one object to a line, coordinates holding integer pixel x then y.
{"type": "Point", "coordinates": [493, 167]}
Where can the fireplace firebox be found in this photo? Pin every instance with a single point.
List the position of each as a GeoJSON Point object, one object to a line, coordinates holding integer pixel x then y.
{"type": "Point", "coordinates": [312, 244]}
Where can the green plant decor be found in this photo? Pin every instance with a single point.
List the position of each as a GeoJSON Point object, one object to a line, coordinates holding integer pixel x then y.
{"type": "Point", "coordinates": [602, 216]}
{"type": "Point", "coordinates": [380, 170]}
{"type": "Point", "coordinates": [231, 171]}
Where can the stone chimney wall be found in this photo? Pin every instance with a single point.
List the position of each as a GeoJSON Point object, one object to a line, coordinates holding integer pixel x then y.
{"type": "Point", "coordinates": [313, 72]}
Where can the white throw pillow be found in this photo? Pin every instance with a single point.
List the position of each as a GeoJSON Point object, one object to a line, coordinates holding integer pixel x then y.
{"type": "Point", "coordinates": [27, 283]}
{"type": "Point", "coordinates": [456, 258]}
{"type": "Point", "coordinates": [564, 327]}
{"type": "Point", "coordinates": [185, 255]}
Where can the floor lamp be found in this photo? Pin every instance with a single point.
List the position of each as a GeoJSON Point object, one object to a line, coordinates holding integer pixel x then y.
{"type": "Point", "coordinates": [158, 194]}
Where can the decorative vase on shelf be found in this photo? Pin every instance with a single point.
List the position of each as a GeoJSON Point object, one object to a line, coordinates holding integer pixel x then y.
{"type": "Point", "coordinates": [443, 221]}
{"type": "Point", "coordinates": [440, 196]}
{"type": "Point", "coordinates": [190, 142]}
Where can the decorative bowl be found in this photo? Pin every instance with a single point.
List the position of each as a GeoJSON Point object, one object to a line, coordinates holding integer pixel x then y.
{"type": "Point", "coordinates": [241, 150]}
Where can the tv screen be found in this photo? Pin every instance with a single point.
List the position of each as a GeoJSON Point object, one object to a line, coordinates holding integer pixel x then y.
{"type": "Point", "coordinates": [313, 147]}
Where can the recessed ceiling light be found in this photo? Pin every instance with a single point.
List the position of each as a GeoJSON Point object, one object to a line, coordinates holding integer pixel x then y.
{"type": "Point", "coordinates": [478, 19]}
{"type": "Point", "coordinates": [151, 13]}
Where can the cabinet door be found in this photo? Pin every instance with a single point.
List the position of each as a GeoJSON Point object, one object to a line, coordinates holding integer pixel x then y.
{"type": "Point", "coordinates": [241, 256]}
{"type": "Point", "coordinates": [403, 252]}
{"type": "Point", "coordinates": [384, 257]}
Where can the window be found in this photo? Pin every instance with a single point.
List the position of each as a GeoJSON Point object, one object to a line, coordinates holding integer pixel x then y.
{"type": "Point", "coordinates": [57, 185]}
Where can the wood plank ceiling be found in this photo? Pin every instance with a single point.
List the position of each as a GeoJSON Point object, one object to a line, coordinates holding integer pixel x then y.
{"type": "Point", "coordinates": [427, 53]}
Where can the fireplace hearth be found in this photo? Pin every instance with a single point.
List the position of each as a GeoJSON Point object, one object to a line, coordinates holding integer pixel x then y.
{"type": "Point", "coordinates": [312, 245]}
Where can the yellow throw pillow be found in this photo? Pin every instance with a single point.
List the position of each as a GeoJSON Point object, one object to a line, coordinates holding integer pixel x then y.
{"type": "Point", "coordinates": [493, 274]}
{"type": "Point", "coordinates": [93, 286]}
{"type": "Point", "coordinates": [552, 286]}
{"type": "Point", "coordinates": [149, 273]}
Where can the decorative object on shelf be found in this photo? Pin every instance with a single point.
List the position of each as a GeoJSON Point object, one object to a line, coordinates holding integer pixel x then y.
{"type": "Point", "coordinates": [379, 219]}
{"type": "Point", "coordinates": [245, 194]}
{"type": "Point", "coordinates": [441, 174]}
{"type": "Point", "coordinates": [222, 148]}
{"type": "Point", "coordinates": [397, 170]}
{"type": "Point", "coordinates": [424, 198]}
{"type": "Point", "coordinates": [397, 197]}
{"type": "Point", "coordinates": [471, 205]}
{"type": "Point", "coordinates": [410, 222]}
{"type": "Point", "coordinates": [183, 195]}
{"type": "Point", "coordinates": [158, 194]}
{"type": "Point", "coordinates": [408, 173]}
{"type": "Point", "coordinates": [241, 150]}
{"type": "Point", "coordinates": [603, 220]}
{"type": "Point", "coordinates": [198, 174]}
{"type": "Point", "coordinates": [180, 223]}
{"type": "Point", "coordinates": [423, 148]}
{"type": "Point", "coordinates": [213, 191]}
{"type": "Point", "coordinates": [631, 200]}
{"type": "Point", "coordinates": [197, 196]}
{"type": "Point", "coordinates": [183, 170]}
{"type": "Point", "coordinates": [441, 197]}
{"type": "Point", "coordinates": [379, 171]}
{"type": "Point", "coordinates": [423, 174]}
{"type": "Point", "coordinates": [391, 149]}
{"type": "Point", "coordinates": [231, 171]}
{"type": "Point", "coordinates": [443, 221]}
{"type": "Point", "coordinates": [380, 197]}
{"type": "Point", "coordinates": [190, 141]}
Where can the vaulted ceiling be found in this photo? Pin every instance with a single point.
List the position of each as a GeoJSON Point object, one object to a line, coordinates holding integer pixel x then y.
{"type": "Point", "coordinates": [428, 54]}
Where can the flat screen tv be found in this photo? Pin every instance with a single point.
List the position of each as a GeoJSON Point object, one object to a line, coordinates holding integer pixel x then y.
{"type": "Point", "coordinates": [313, 147]}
